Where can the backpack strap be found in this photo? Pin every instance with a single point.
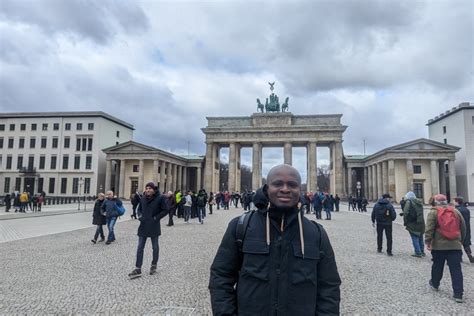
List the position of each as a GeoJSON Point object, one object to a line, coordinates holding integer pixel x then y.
{"type": "Point", "coordinates": [241, 228]}
{"type": "Point", "coordinates": [318, 226]}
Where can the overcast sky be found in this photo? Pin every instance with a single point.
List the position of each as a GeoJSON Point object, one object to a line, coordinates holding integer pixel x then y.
{"type": "Point", "coordinates": [387, 66]}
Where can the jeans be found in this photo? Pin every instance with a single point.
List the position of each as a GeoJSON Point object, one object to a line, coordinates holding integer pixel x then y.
{"type": "Point", "coordinates": [99, 232]}
{"type": "Point", "coordinates": [110, 226]}
{"type": "Point", "coordinates": [170, 216]}
{"type": "Point", "coordinates": [201, 213]}
{"type": "Point", "coordinates": [318, 212]}
{"type": "Point", "coordinates": [328, 213]}
{"type": "Point", "coordinates": [453, 257]}
{"type": "Point", "coordinates": [388, 234]}
{"type": "Point", "coordinates": [210, 208]}
{"type": "Point", "coordinates": [187, 213]}
{"type": "Point", "coordinates": [418, 244]}
{"type": "Point", "coordinates": [141, 247]}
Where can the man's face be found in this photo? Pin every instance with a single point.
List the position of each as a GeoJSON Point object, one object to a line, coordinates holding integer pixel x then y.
{"type": "Point", "coordinates": [110, 195]}
{"type": "Point", "coordinates": [284, 188]}
{"type": "Point", "coordinates": [149, 191]}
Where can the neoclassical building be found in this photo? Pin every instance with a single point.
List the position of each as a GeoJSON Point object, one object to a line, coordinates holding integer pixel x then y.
{"type": "Point", "coordinates": [423, 166]}
{"type": "Point", "coordinates": [130, 165]}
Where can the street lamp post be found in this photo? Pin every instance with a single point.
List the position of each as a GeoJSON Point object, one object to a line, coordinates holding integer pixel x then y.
{"type": "Point", "coordinates": [79, 195]}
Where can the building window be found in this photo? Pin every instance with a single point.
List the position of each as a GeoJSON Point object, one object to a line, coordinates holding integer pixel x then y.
{"type": "Point", "coordinates": [45, 126]}
{"type": "Point", "coordinates": [1, 142]}
{"type": "Point", "coordinates": [67, 126]}
{"type": "Point", "coordinates": [12, 127]}
{"type": "Point", "coordinates": [116, 143]}
{"type": "Point", "coordinates": [63, 185]}
{"type": "Point", "coordinates": [445, 141]}
{"type": "Point", "coordinates": [135, 168]}
{"type": "Point", "coordinates": [67, 142]}
{"type": "Point", "coordinates": [31, 162]}
{"type": "Point", "coordinates": [54, 161]}
{"type": "Point", "coordinates": [19, 162]}
{"type": "Point", "coordinates": [22, 127]}
{"type": "Point", "coordinates": [87, 185]}
{"type": "Point", "coordinates": [444, 129]}
{"type": "Point", "coordinates": [6, 186]}
{"type": "Point", "coordinates": [33, 127]}
{"type": "Point", "coordinates": [65, 162]}
{"type": "Point", "coordinates": [9, 163]}
{"type": "Point", "coordinates": [21, 143]}
{"type": "Point", "coordinates": [118, 133]}
{"type": "Point", "coordinates": [11, 142]}
{"type": "Point", "coordinates": [40, 185]}
{"type": "Point", "coordinates": [32, 142]}
{"type": "Point", "coordinates": [90, 126]}
{"type": "Point", "coordinates": [42, 162]}
{"type": "Point", "coordinates": [52, 182]}
{"type": "Point", "coordinates": [84, 144]}
{"type": "Point", "coordinates": [44, 142]}
{"type": "Point", "coordinates": [75, 185]}
{"type": "Point", "coordinates": [55, 142]}
{"type": "Point", "coordinates": [56, 126]}
{"type": "Point", "coordinates": [77, 162]}
{"type": "Point", "coordinates": [2, 127]}
{"type": "Point", "coordinates": [79, 126]}
{"type": "Point", "coordinates": [89, 162]}
{"type": "Point", "coordinates": [417, 169]}
{"type": "Point", "coordinates": [78, 144]}
{"type": "Point", "coordinates": [17, 184]}
{"type": "Point", "coordinates": [418, 190]}
{"type": "Point", "coordinates": [89, 144]}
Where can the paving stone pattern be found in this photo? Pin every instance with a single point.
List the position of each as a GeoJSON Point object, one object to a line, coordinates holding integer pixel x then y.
{"type": "Point", "coordinates": [65, 274]}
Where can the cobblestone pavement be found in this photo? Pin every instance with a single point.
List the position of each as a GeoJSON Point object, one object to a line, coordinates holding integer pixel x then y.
{"type": "Point", "coordinates": [65, 274]}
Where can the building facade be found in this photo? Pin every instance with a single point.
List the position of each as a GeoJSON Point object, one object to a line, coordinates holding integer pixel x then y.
{"type": "Point", "coordinates": [416, 166]}
{"type": "Point", "coordinates": [456, 127]}
{"type": "Point", "coordinates": [59, 153]}
{"type": "Point", "coordinates": [129, 166]}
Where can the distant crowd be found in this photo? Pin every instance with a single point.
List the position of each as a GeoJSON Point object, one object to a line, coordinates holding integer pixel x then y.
{"type": "Point", "coordinates": [23, 202]}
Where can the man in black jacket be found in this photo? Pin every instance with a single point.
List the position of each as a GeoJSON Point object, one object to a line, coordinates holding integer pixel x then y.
{"type": "Point", "coordinates": [384, 214]}
{"type": "Point", "coordinates": [276, 270]}
{"type": "Point", "coordinates": [151, 209]}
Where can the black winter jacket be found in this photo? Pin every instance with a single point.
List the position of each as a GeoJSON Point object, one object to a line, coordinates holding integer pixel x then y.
{"type": "Point", "coordinates": [275, 279]}
{"type": "Point", "coordinates": [466, 214]}
{"type": "Point", "coordinates": [97, 217]}
{"type": "Point", "coordinates": [379, 212]}
{"type": "Point", "coordinates": [149, 212]}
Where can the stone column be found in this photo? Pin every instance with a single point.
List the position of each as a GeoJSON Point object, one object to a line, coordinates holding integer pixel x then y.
{"type": "Point", "coordinates": [442, 177]}
{"type": "Point", "coordinates": [365, 186]}
{"type": "Point", "coordinates": [287, 153]}
{"type": "Point", "coordinates": [370, 188]}
{"type": "Point", "coordinates": [155, 171]}
{"type": "Point", "coordinates": [175, 177]}
{"type": "Point", "coordinates": [409, 175]}
{"type": "Point", "coordinates": [169, 177]}
{"type": "Point", "coordinates": [185, 178]}
{"type": "Point", "coordinates": [198, 177]}
{"type": "Point", "coordinates": [161, 176]}
{"type": "Point", "coordinates": [237, 167]}
{"type": "Point", "coordinates": [434, 177]}
{"type": "Point", "coordinates": [141, 174]}
{"type": "Point", "coordinates": [108, 174]}
{"type": "Point", "coordinates": [385, 177]}
{"type": "Point", "coordinates": [256, 166]}
{"type": "Point", "coordinates": [117, 178]}
{"type": "Point", "coordinates": [452, 180]}
{"type": "Point", "coordinates": [349, 180]}
{"type": "Point", "coordinates": [209, 167]}
{"type": "Point", "coordinates": [180, 178]}
{"type": "Point", "coordinates": [121, 188]}
{"type": "Point", "coordinates": [338, 168]}
{"type": "Point", "coordinates": [391, 179]}
{"type": "Point", "coordinates": [216, 168]}
{"type": "Point", "coordinates": [312, 182]}
{"type": "Point", "coordinates": [232, 167]}
{"type": "Point", "coordinates": [379, 180]}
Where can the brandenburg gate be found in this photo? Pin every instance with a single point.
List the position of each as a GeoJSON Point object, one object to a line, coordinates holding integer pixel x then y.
{"type": "Point", "coordinates": [273, 128]}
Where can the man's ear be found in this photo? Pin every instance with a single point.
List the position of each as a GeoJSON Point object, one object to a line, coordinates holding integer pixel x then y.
{"type": "Point", "coordinates": [265, 189]}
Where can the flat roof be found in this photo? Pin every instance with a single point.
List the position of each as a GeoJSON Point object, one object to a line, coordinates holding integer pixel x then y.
{"type": "Point", "coordinates": [460, 107]}
{"type": "Point", "coordinates": [67, 114]}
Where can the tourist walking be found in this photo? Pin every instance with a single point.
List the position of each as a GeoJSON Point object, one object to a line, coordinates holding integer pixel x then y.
{"type": "Point", "coordinates": [327, 206]}
{"type": "Point", "coordinates": [445, 232]}
{"type": "Point", "coordinates": [151, 210]}
{"type": "Point", "coordinates": [384, 214]}
{"type": "Point", "coordinates": [466, 214]}
{"type": "Point", "coordinates": [99, 219]}
{"type": "Point", "coordinates": [227, 198]}
{"type": "Point", "coordinates": [414, 222]}
{"type": "Point", "coordinates": [211, 202]}
{"type": "Point", "coordinates": [8, 202]}
{"type": "Point", "coordinates": [201, 201]}
{"type": "Point", "coordinates": [24, 202]}
{"type": "Point", "coordinates": [109, 206]}
{"type": "Point", "coordinates": [40, 202]}
{"type": "Point", "coordinates": [250, 276]}
{"type": "Point", "coordinates": [318, 205]}
{"type": "Point", "coordinates": [170, 200]}
{"type": "Point", "coordinates": [187, 206]}
{"type": "Point", "coordinates": [337, 199]}
{"type": "Point", "coordinates": [135, 202]}
{"type": "Point", "coordinates": [16, 201]}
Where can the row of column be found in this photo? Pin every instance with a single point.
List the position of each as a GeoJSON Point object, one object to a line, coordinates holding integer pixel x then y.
{"type": "Point", "coordinates": [379, 178]}
{"type": "Point", "coordinates": [175, 178]}
{"type": "Point", "coordinates": [211, 180]}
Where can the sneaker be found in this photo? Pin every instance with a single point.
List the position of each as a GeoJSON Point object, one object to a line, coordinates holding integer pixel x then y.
{"type": "Point", "coordinates": [423, 254]}
{"type": "Point", "coordinates": [93, 241]}
{"type": "Point", "coordinates": [432, 286]}
{"type": "Point", "coordinates": [136, 273]}
{"type": "Point", "coordinates": [202, 222]}
{"type": "Point", "coordinates": [152, 269]}
{"type": "Point", "coordinates": [417, 255]}
{"type": "Point", "coordinates": [108, 242]}
{"type": "Point", "coordinates": [458, 299]}
{"type": "Point", "coordinates": [102, 240]}
{"type": "Point", "coordinates": [379, 251]}
{"type": "Point", "coordinates": [389, 254]}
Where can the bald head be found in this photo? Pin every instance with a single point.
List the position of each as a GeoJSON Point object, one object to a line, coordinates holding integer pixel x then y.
{"type": "Point", "coordinates": [283, 168]}
{"type": "Point", "coordinates": [284, 184]}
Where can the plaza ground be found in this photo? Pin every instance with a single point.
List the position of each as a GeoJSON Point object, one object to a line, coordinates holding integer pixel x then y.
{"type": "Point", "coordinates": [64, 273]}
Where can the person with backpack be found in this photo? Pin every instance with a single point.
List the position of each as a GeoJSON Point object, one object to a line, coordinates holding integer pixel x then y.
{"type": "Point", "coordinates": [135, 201]}
{"type": "Point", "coordinates": [151, 210]}
{"type": "Point", "coordinates": [466, 214]}
{"type": "Point", "coordinates": [384, 214]}
{"type": "Point", "coordinates": [444, 235]}
{"type": "Point", "coordinates": [318, 205]}
{"type": "Point", "coordinates": [201, 205]}
{"type": "Point", "coordinates": [275, 261]}
{"type": "Point", "coordinates": [414, 222]}
{"type": "Point", "coordinates": [211, 202]}
{"type": "Point", "coordinates": [188, 203]}
{"type": "Point", "coordinates": [109, 207]}
{"type": "Point", "coordinates": [327, 206]}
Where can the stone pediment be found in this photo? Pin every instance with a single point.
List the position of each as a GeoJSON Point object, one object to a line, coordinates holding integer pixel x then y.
{"type": "Point", "coordinates": [422, 144]}
{"type": "Point", "coordinates": [130, 146]}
